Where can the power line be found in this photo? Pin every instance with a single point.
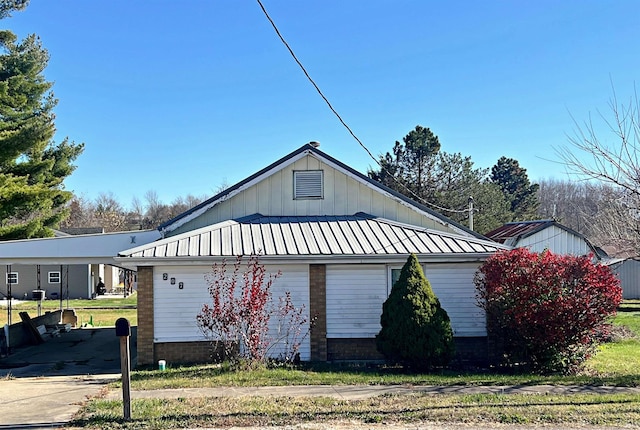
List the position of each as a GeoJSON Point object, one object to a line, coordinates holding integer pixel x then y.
{"type": "Point", "coordinates": [304, 70]}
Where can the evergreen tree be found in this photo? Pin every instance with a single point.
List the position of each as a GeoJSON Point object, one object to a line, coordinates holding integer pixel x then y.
{"type": "Point", "coordinates": [415, 330]}
{"type": "Point", "coordinates": [443, 181]}
{"type": "Point", "coordinates": [516, 187]}
{"type": "Point", "coordinates": [411, 167]}
{"type": "Point", "coordinates": [8, 6]}
{"type": "Point", "coordinates": [32, 166]}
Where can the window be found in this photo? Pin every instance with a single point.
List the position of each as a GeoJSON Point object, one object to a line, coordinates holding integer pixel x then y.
{"type": "Point", "coordinates": [308, 184]}
{"type": "Point", "coordinates": [12, 278]}
{"type": "Point", "coordinates": [394, 275]}
{"type": "Point", "coordinates": [54, 277]}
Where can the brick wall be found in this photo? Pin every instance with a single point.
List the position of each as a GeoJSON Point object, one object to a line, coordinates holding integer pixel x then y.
{"type": "Point", "coordinates": [469, 350]}
{"type": "Point", "coordinates": [185, 352]}
{"type": "Point", "coordinates": [145, 317]}
{"type": "Point", "coordinates": [318, 311]}
{"type": "Point", "coordinates": [353, 349]}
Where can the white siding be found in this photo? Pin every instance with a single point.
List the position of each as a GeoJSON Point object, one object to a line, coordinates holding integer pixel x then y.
{"type": "Point", "coordinates": [629, 273]}
{"type": "Point", "coordinates": [355, 294]}
{"type": "Point", "coordinates": [175, 309]}
{"type": "Point", "coordinates": [557, 240]}
{"type": "Point", "coordinates": [343, 195]}
{"type": "Point", "coordinates": [453, 285]}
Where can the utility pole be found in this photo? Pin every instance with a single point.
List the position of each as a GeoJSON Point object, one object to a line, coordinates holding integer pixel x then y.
{"type": "Point", "coordinates": [470, 212]}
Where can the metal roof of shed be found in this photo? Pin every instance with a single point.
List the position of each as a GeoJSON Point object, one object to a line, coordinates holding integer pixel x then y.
{"type": "Point", "coordinates": [349, 235]}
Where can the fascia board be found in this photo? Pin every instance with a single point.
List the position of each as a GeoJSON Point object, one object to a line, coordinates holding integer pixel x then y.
{"type": "Point", "coordinates": [342, 259]}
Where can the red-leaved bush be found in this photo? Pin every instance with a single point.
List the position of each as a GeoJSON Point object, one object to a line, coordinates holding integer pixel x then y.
{"type": "Point", "coordinates": [545, 310]}
{"type": "Point", "coordinates": [237, 319]}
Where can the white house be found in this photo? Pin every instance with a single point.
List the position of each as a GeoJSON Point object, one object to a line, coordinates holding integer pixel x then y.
{"type": "Point", "coordinates": [339, 239]}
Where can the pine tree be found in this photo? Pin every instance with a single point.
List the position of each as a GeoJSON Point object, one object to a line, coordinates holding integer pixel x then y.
{"type": "Point", "coordinates": [442, 181]}
{"type": "Point", "coordinates": [416, 330]}
{"type": "Point", "coordinates": [32, 166]}
{"type": "Point", "coordinates": [521, 194]}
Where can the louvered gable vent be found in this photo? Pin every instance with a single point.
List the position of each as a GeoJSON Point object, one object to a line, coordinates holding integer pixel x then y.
{"type": "Point", "coordinates": [307, 184]}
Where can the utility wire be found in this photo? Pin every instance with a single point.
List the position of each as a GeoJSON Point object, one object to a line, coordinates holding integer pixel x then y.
{"type": "Point", "coordinates": [304, 70]}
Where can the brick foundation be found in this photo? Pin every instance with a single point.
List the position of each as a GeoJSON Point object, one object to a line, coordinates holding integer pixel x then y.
{"type": "Point", "coordinates": [186, 353]}
{"type": "Point", "coordinates": [352, 349]}
{"type": "Point", "coordinates": [469, 350]}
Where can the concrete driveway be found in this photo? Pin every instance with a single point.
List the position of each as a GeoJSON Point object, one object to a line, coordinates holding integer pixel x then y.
{"type": "Point", "coordinates": [43, 386]}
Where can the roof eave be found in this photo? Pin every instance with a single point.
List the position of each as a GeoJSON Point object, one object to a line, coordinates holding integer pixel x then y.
{"type": "Point", "coordinates": [310, 259]}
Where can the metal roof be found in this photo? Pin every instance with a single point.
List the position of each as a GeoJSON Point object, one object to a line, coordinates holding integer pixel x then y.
{"type": "Point", "coordinates": [516, 230]}
{"type": "Point", "coordinates": [348, 235]}
{"type": "Point", "coordinates": [88, 248]}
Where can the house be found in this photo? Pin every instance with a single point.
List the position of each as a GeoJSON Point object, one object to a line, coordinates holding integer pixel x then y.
{"type": "Point", "coordinates": [628, 271]}
{"type": "Point", "coordinates": [541, 235]}
{"type": "Point", "coordinates": [339, 240]}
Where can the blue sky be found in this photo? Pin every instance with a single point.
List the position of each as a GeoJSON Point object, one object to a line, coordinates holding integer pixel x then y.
{"type": "Point", "coordinates": [180, 97]}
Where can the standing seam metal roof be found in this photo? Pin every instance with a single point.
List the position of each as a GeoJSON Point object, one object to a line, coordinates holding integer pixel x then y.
{"type": "Point", "coordinates": [359, 234]}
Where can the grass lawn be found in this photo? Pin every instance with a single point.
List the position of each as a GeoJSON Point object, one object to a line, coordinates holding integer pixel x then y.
{"type": "Point", "coordinates": [102, 312]}
{"type": "Point", "coordinates": [574, 410]}
{"type": "Point", "coordinates": [616, 363]}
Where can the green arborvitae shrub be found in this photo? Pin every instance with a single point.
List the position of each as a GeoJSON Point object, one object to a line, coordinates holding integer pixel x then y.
{"type": "Point", "coordinates": [416, 331]}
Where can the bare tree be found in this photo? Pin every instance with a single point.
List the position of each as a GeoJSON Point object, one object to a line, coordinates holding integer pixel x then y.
{"type": "Point", "coordinates": [612, 162]}
{"type": "Point", "coordinates": [109, 213]}
{"type": "Point", "coordinates": [598, 210]}
{"type": "Point", "coordinates": [617, 163]}
{"type": "Point", "coordinates": [81, 213]}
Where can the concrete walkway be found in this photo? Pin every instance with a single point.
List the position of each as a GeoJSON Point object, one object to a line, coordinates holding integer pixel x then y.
{"type": "Point", "coordinates": [357, 392]}
{"type": "Point", "coordinates": [46, 402]}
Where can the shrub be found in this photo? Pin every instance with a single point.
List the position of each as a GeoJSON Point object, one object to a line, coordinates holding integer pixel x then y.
{"type": "Point", "coordinates": [545, 309]}
{"type": "Point", "coordinates": [237, 321]}
{"type": "Point", "coordinates": [416, 331]}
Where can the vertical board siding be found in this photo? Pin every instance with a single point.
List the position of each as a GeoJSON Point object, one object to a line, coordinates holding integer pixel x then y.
{"type": "Point", "coordinates": [355, 294]}
{"type": "Point", "coordinates": [175, 309]}
{"type": "Point", "coordinates": [453, 285]}
{"type": "Point", "coordinates": [343, 195]}
{"type": "Point", "coordinates": [629, 274]}
{"type": "Point", "coordinates": [556, 239]}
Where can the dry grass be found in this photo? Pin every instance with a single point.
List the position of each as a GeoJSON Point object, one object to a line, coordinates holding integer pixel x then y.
{"type": "Point", "coordinates": [103, 312]}
{"type": "Point", "coordinates": [591, 409]}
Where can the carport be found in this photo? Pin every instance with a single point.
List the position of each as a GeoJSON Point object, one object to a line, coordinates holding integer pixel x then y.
{"type": "Point", "coordinates": [64, 251]}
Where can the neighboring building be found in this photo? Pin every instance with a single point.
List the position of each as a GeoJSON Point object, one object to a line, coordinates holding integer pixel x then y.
{"type": "Point", "coordinates": [628, 271]}
{"type": "Point", "coordinates": [339, 240]}
{"type": "Point", "coordinates": [542, 235]}
{"type": "Point", "coordinates": [73, 281]}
